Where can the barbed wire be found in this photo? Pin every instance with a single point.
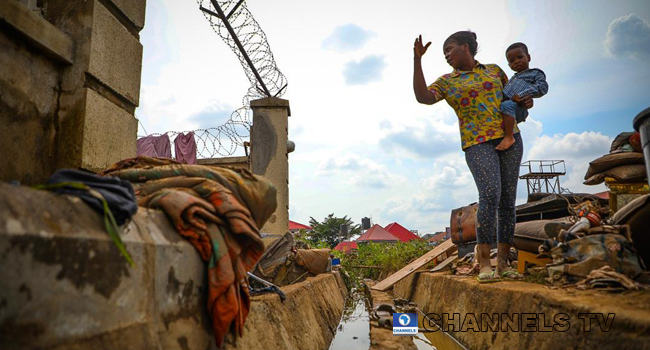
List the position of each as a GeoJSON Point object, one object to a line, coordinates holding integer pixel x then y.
{"type": "Point", "coordinates": [211, 142]}
{"type": "Point", "coordinates": [254, 44]}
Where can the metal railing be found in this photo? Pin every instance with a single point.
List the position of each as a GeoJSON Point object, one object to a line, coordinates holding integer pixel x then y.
{"type": "Point", "coordinates": [555, 167]}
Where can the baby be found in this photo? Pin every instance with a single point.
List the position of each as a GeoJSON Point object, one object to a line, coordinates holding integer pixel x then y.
{"type": "Point", "coordinates": [526, 82]}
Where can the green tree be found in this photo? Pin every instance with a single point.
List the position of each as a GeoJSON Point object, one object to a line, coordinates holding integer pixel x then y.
{"type": "Point", "coordinates": [329, 230]}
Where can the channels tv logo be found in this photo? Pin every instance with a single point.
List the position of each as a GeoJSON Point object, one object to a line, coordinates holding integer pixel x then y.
{"type": "Point", "coordinates": [405, 324]}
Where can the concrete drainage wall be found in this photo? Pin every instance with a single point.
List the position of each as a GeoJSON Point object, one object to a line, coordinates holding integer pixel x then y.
{"type": "Point", "coordinates": [436, 293]}
{"type": "Point", "coordinates": [306, 320]}
{"type": "Point", "coordinates": [64, 285]}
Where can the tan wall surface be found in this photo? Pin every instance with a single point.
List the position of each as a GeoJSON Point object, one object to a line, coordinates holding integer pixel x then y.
{"type": "Point", "coordinates": [115, 55]}
{"type": "Point", "coordinates": [28, 107]}
{"type": "Point", "coordinates": [51, 119]}
{"type": "Point", "coordinates": [109, 133]}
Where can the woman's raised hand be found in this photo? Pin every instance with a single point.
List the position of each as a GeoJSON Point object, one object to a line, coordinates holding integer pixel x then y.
{"type": "Point", "coordinates": [418, 49]}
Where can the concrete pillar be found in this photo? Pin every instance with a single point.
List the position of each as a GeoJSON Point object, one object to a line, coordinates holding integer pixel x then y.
{"type": "Point", "coordinates": [269, 156]}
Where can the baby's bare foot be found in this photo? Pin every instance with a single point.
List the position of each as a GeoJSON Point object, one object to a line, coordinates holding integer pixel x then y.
{"type": "Point", "coordinates": [505, 143]}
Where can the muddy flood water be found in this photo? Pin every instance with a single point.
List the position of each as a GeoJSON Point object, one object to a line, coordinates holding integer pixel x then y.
{"type": "Point", "coordinates": [353, 331]}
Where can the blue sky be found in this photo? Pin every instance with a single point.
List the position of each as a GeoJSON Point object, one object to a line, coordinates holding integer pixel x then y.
{"type": "Point", "coordinates": [364, 147]}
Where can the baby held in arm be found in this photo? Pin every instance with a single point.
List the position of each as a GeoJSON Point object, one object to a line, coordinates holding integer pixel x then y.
{"type": "Point", "coordinates": [526, 83]}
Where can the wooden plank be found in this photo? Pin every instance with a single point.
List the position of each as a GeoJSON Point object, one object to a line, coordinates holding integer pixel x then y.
{"type": "Point", "coordinates": [445, 263]}
{"type": "Point", "coordinates": [524, 257]}
{"type": "Point", "coordinates": [446, 246]}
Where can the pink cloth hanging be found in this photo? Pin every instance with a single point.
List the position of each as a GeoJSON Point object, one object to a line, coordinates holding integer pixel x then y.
{"type": "Point", "coordinates": [185, 148]}
{"type": "Point", "coordinates": [154, 146]}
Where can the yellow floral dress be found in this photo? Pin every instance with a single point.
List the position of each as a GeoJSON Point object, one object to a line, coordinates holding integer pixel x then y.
{"type": "Point", "coordinates": [476, 97]}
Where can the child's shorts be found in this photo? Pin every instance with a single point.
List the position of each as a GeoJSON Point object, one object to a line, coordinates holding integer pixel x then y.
{"type": "Point", "coordinates": [511, 108]}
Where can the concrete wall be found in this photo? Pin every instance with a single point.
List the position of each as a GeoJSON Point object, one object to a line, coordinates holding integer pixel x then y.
{"type": "Point", "coordinates": [69, 85]}
{"type": "Point", "coordinates": [64, 285]}
{"type": "Point", "coordinates": [439, 293]}
{"type": "Point", "coordinates": [269, 155]}
{"type": "Point", "coordinates": [306, 320]}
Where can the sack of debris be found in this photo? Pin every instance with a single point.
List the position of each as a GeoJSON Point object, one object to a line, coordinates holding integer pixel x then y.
{"type": "Point", "coordinates": [626, 142]}
{"type": "Point", "coordinates": [283, 264]}
{"type": "Point", "coordinates": [624, 163]}
{"type": "Point", "coordinates": [275, 255]}
{"type": "Point", "coordinates": [613, 160]}
{"type": "Point", "coordinates": [576, 259]}
{"type": "Point", "coordinates": [623, 173]}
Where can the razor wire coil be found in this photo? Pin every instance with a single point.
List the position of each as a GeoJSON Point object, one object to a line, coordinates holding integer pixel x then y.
{"type": "Point", "coordinates": [224, 140]}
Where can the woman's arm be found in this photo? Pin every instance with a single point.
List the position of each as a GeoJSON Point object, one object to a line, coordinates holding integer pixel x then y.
{"type": "Point", "coordinates": [422, 94]}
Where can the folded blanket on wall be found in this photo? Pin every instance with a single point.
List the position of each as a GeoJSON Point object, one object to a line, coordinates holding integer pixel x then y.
{"type": "Point", "coordinates": [238, 202]}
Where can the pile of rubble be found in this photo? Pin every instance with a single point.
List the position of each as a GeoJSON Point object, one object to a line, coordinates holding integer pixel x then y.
{"type": "Point", "coordinates": [581, 240]}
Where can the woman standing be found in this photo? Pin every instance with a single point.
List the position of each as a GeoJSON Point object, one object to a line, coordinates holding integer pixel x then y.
{"type": "Point", "coordinates": [473, 90]}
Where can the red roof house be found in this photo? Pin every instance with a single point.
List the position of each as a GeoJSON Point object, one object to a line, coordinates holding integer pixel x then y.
{"type": "Point", "coordinates": [400, 232]}
{"type": "Point", "coordinates": [438, 237]}
{"type": "Point", "coordinates": [377, 234]}
{"type": "Point", "coordinates": [294, 226]}
{"type": "Point", "coordinates": [346, 247]}
{"type": "Point", "coordinates": [603, 195]}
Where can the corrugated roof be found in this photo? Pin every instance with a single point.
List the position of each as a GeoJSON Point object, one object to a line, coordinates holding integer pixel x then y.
{"type": "Point", "coordinates": [377, 234]}
{"type": "Point", "coordinates": [296, 226]}
{"type": "Point", "coordinates": [400, 232]}
{"type": "Point", "coordinates": [346, 247]}
{"type": "Point", "coordinates": [438, 236]}
{"type": "Point", "coordinates": [603, 195]}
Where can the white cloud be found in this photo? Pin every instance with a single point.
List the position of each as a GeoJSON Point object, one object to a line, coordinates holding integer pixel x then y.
{"type": "Point", "coordinates": [577, 150]}
{"type": "Point", "coordinates": [628, 36]}
{"type": "Point", "coordinates": [368, 69]}
{"type": "Point", "coordinates": [348, 37]}
{"type": "Point", "coordinates": [427, 138]}
{"type": "Point", "coordinates": [359, 171]}
{"type": "Point", "coordinates": [429, 206]}
{"type": "Point", "coordinates": [213, 115]}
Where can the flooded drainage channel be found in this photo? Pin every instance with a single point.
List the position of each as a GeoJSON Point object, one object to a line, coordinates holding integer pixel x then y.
{"type": "Point", "coordinates": [357, 330]}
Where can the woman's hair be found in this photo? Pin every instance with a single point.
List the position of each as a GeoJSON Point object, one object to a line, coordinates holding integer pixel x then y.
{"type": "Point", "coordinates": [464, 37]}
